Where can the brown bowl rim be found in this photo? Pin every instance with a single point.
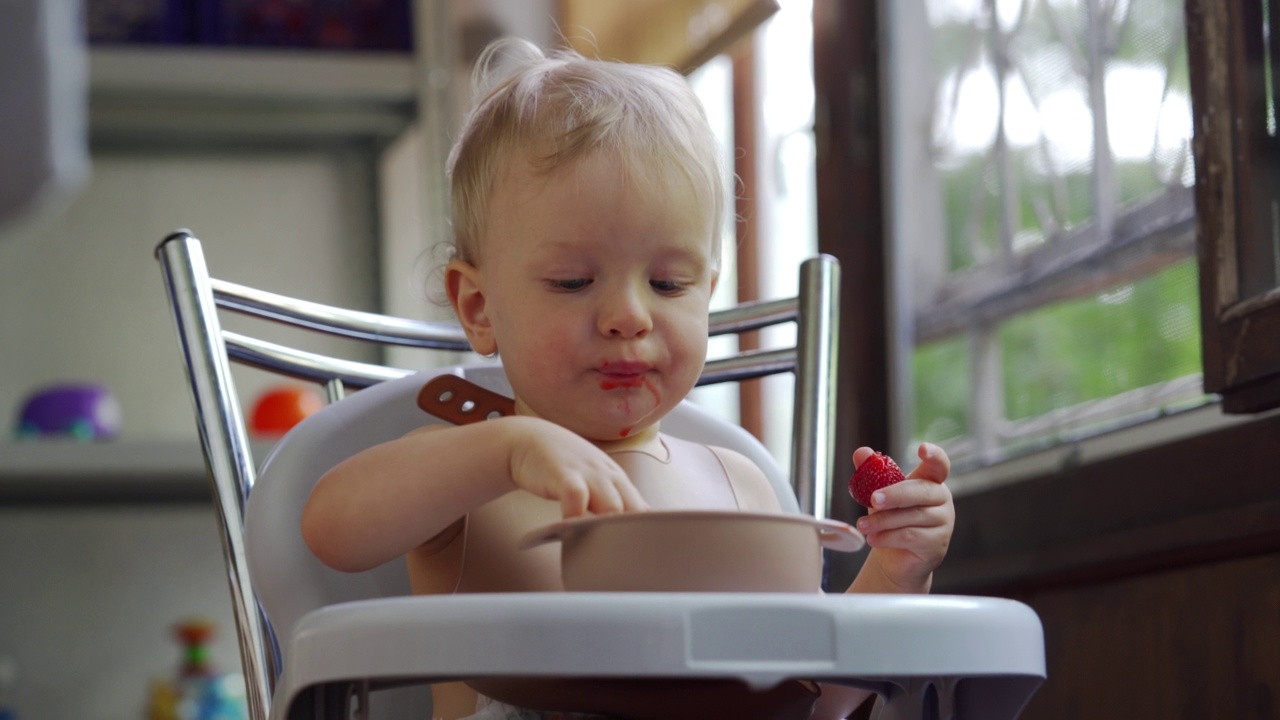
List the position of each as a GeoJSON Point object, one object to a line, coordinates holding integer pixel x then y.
{"type": "Point", "coordinates": [839, 535]}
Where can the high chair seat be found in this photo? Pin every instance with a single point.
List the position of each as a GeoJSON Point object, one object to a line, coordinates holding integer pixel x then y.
{"type": "Point", "coordinates": [361, 637]}
{"type": "Point", "coordinates": [927, 656]}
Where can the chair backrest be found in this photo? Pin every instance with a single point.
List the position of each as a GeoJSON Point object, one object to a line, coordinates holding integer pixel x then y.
{"type": "Point", "coordinates": [268, 563]}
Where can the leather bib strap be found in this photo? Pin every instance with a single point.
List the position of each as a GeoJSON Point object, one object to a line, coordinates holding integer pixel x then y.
{"type": "Point", "coordinates": [461, 401]}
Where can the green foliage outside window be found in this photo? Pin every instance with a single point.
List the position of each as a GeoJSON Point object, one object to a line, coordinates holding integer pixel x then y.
{"type": "Point", "coordinates": [1132, 336]}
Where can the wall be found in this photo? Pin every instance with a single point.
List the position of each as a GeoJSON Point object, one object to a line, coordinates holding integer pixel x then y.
{"type": "Point", "coordinates": [90, 591]}
{"type": "Point", "coordinates": [90, 597]}
{"type": "Point", "coordinates": [84, 299]}
{"type": "Point", "coordinates": [1198, 642]}
{"type": "Point", "coordinates": [1156, 575]}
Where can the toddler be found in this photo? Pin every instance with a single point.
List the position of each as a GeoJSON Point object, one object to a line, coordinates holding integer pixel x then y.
{"type": "Point", "coordinates": [587, 206]}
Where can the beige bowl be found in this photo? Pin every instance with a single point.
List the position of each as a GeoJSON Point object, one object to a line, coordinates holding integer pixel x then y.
{"type": "Point", "coordinates": [694, 551]}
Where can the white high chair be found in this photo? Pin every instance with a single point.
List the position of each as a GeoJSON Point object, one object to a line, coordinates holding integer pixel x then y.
{"type": "Point", "coordinates": [362, 639]}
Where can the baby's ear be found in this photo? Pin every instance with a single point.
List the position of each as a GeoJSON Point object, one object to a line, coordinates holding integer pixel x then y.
{"type": "Point", "coordinates": [465, 286]}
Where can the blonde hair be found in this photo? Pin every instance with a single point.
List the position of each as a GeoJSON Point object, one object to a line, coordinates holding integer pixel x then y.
{"type": "Point", "coordinates": [551, 109]}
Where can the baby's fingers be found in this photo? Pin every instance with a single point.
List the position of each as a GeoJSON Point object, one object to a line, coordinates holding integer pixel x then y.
{"type": "Point", "coordinates": [630, 496]}
{"type": "Point", "coordinates": [934, 465]}
{"type": "Point", "coordinates": [927, 545]}
{"type": "Point", "coordinates": [575, 499]}
{"type": "Point", "coordinates": [861, 454]}
{"type": "Point", "coordinates": [601, 490]}
{"type": "Point", "coordinates": [922, 517]}
{"type": "Point", "coordinates": [615, 494]}
{"type": "Point", "coordinates": [911, 493]}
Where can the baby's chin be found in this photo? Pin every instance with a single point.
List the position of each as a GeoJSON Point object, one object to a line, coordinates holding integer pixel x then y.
{"type": "Point", "coordinates": [607, 423]}
{"type": "Point", "coordinates": [602, 430]}
{"type": "Point", "coordinates": [606, 431]}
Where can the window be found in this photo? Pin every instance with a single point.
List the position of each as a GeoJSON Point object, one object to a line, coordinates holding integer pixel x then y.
{"type": "Point", "coordinates": [1121, 503]}
{"type": "Point", "coordinates": [1049, 230]}
{"type": "Point", "coordinates": [1047, 289]}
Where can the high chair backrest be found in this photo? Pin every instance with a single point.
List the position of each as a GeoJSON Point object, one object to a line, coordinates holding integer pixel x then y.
{"type": "Point", "coordinates": [267, 561]}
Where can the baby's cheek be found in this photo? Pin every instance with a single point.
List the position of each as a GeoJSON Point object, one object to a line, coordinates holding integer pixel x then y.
{"type": "Point", "coordinates": [537, 357]}
{"type": "Point", "coordinates": [557, 347]}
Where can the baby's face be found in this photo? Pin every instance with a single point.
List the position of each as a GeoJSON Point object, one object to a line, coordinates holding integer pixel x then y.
{"type": "Point", "coordinates": [598, 295]}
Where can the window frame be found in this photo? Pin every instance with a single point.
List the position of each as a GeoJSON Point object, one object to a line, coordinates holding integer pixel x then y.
{"type": "Point", "coordinates": [1240, 336]}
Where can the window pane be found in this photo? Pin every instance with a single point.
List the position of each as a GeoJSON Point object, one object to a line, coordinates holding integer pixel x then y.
{"type": "Point", "coordinates": [942, 390]}
{"type": "Point", "coordinates": [713, 84]}
{"type": "Point", "coordinates": [1060, 129]}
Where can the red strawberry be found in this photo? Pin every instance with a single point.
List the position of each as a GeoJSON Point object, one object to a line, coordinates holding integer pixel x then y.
{"type": "Point", "coordinates": [876, 472]}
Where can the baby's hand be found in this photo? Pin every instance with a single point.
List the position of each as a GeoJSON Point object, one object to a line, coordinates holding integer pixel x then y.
{"type": "Point", "coordinates": [558, 464]}
{"type": "Point", "coordinates": [909, 524]}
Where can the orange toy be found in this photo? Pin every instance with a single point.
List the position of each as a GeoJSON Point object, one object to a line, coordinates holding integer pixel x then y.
{"type": "Point", "coordinates": [282, 407]}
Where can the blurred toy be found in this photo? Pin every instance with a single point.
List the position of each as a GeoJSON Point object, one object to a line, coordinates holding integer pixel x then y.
{"type": "Point", "coordinates": [280, 408]}
{"type": "Point", "coordinates": [198, 692]}
{"type": "Point", "coordinates": [81, 411]}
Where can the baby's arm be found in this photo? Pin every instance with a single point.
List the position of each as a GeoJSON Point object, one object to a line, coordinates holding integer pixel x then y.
{"type": "Point", "coordinates": [391, 498]}
{"type": "Point", "coordinates": [908, 528]}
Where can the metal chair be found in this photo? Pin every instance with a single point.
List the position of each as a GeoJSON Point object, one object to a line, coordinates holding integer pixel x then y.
{"type": "Point", "coordinates": [362, 638]}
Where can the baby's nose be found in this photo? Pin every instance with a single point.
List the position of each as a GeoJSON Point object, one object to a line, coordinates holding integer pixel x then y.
{"type": "Point", "coordinates": [626, 316]}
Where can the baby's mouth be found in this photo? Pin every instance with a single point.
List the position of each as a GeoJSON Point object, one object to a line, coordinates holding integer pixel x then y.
{"type": "Point", "coordinates": [622, 374]}
{"type": "Point", "coordinates": [613, 382]}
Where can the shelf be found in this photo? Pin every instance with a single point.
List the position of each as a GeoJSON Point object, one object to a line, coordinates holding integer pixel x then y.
{"type": "Point", "coordinates": [155, 95]}
{"type": "Point", "coordinates": [57, 472]}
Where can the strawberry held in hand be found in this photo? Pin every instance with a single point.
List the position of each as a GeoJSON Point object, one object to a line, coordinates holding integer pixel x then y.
{"type": "Point", "coordinates": [876, 472]}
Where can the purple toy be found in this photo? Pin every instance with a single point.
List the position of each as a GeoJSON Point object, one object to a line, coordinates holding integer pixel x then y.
{"type": "Point", "coordinates": [81, 411]}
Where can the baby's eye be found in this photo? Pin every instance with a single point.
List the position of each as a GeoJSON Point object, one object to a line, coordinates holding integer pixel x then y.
{"type": "Point", "coordinates": [666, 287]}
{"type": "Point", "coordinates": [570, 285]}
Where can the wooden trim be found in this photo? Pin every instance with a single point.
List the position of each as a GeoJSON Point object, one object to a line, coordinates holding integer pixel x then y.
{"type": "Point", "coordinates": [1254, 397]}
{"type": "Point", "coordinates": [1148, 237]}
{"type": "Point", "coordinates": [1207, 498]}
{"type": "Point", "coordinates": [746, 203]}
{"type": "Point", "coordinates": [852, 227]}
{"type": "Point", "coordinates": [1240, 346]}
{"type": "Point", "coordinates": [1257, 166]}
{"type": "Point", "coordinates": [682, 34]}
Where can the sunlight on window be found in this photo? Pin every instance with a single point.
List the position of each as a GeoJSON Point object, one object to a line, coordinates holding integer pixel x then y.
{"type": "Point", "coordinates": [1059, 128]}
{"type": "Point", "coordinates": [713, 84]}
{"type": "Point", "coordinates": [786, 214]}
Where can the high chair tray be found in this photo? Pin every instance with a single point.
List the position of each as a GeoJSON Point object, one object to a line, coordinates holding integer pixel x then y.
{"type": "Point", "coordinates": [976, 657]}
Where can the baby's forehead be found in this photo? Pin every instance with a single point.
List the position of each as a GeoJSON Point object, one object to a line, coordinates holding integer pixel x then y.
{"type": "Point", "coordinates": [529, 172]}
{"type": "Point", "coordinates": [531, 181]}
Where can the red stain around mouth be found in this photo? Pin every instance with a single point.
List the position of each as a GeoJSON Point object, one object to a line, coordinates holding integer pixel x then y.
{"type": "Point", "coordinates": [629, 377]}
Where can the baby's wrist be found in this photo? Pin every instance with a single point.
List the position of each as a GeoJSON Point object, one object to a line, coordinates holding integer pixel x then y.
{"type": "Point", "coordinates": [901, 582]}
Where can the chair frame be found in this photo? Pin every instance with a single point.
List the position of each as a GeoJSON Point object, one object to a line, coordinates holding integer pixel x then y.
{"type": "Point", "coordinates": [208, 350]}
